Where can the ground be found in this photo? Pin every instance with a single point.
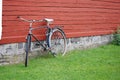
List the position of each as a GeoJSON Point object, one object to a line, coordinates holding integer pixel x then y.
{"type": "Point", "coordinates": [101, 63]}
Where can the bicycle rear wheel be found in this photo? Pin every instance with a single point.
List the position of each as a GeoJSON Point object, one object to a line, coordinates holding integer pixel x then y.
{"type": "Point", "coordinates": [57, 42]}
{"type": "Point", "coordinates": [27, 48]}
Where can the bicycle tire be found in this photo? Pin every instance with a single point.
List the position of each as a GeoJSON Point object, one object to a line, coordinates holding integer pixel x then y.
{"type": "Point", "coordinates": [57, 42]}
{"type": "Point", "coordinates": [27, 48]}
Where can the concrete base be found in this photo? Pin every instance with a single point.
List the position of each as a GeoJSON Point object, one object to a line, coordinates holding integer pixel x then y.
{"type": "Point", "coordinates": [15, 53]}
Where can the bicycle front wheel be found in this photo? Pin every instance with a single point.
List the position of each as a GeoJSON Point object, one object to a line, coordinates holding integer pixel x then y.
{"type": "Point", "coordinates": [57, 42]}
{"type": "Point", "coordinates": [27, 48]}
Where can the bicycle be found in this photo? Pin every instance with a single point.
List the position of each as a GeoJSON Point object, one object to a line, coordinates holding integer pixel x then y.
{"type": "Point", "coordinates": [55, 38]}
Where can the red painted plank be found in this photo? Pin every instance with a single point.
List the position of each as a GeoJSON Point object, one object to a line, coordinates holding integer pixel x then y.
{"type": "Point", "coordinates": [58, 4]}
{"type": "Point", "coordinates": [110, 1]}
{"type": "Point", "coordinates": [17, 24]}
{"type": "Point", "coordinates": [64, 17]}
{"type": "Point", "coordinates": [69, 1]}
{"type": "Point", "coordinates": [70, 14]}
{"type": "Point", "coordinates": [19, 27]}
{"type": "Point", "coordinates": [19, 8]}
{"type": "Point", "coordinates": [89, 33]}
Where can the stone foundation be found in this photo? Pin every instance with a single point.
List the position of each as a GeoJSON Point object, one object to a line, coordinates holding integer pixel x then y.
{"type": "Point", "coordinates": [14, 53]}
{"type": "Point", "coordinates": [88, 42]}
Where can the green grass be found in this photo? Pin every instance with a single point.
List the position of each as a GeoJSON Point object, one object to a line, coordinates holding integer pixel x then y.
{"type": "Point", "coordinates": [101, 63]}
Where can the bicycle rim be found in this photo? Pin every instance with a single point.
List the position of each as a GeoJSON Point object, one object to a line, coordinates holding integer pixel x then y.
{"type": "Point", "coordinates": [57, 42]}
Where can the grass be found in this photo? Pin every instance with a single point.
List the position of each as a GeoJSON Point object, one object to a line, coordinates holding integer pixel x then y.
{"type": "Point", "coordinates": [101, 63]}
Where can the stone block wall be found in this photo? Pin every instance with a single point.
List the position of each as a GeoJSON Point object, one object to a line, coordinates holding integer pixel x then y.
{"type": "Point", "coordinates": [88, 42]}
{"type": "Point", "coordinates": [15, 53]}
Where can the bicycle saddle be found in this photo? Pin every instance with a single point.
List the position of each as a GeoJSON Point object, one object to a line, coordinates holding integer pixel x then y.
{"type": "Point", "coordinates": [48, 20]}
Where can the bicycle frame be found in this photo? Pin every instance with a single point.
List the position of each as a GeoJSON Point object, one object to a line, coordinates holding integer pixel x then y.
{"type": "Point", "coordinates": [48, 21]}
{"type": "Point", "coordinates": [31, 34]}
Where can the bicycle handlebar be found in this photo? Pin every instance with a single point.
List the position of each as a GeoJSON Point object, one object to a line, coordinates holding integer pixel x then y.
{"type": "Point", "coordinates": [30, 21]}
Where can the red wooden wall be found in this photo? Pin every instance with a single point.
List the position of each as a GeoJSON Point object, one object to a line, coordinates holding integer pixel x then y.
{"type": "Point", "coordinates": [79, 17]}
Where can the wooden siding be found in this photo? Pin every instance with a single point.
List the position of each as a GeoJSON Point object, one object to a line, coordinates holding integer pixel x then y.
{"type": "Point", "coordinates": [79, 17]}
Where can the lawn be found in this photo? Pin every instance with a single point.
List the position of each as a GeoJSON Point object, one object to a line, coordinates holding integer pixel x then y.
{"type": "Point", "coordinates": [101, 63]}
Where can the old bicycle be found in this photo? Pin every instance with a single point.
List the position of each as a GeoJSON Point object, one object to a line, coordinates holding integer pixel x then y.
{"type": "Point", "coordinates": [55, 38]}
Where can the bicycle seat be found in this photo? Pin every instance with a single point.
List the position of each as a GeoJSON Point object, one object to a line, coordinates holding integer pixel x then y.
{"type": "Point", "coordinates": [48, 20]}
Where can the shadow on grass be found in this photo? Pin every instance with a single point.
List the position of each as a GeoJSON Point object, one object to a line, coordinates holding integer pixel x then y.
{"type": "Point", "coordinates": [46, 56]}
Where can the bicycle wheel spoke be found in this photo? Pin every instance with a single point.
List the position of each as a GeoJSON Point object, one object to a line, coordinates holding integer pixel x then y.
{"type": "Point", "coordinates": [57, 42]}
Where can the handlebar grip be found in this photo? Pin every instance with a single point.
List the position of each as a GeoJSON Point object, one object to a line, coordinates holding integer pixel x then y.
{"type": "Point", "coordinates": [18, 16]}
